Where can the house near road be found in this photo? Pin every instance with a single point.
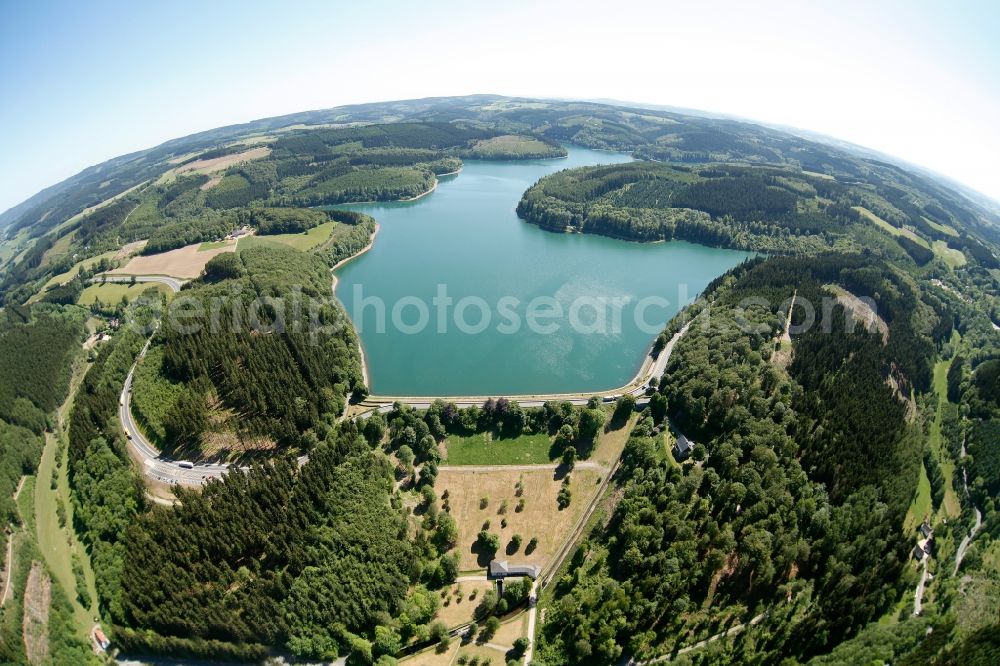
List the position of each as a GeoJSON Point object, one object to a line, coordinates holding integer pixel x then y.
{"type": "Point", "coordinates": [101, 640]}
{"type": "Point", "coordinates": [501, 569]}
{"type": "Point", "coordinates": [925, 545]}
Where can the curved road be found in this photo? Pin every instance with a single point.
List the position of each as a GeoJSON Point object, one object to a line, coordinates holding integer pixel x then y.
{"type": "Point", "coordinates": [153, 464]}
{"type": "Point", "coordinates": [173, 283]}
{"type": "Point", "coordinates": [962, 547]}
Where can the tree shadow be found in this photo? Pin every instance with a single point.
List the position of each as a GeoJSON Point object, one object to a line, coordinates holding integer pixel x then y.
{"type": "Point", "coordinates": [483, 554]}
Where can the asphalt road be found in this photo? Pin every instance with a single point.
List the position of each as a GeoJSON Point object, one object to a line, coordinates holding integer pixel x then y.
{"type": "Point", "coordinates": [173, 283]}
{"type": "Point", "coordinates": [154, 465]}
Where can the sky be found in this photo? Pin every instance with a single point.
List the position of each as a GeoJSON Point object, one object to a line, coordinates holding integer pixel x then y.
{"type": "Point", "coordinates": [84, 82]}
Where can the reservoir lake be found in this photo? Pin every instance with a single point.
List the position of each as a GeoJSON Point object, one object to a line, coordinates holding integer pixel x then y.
{"type": "Point", "coordinates": [458, 296]}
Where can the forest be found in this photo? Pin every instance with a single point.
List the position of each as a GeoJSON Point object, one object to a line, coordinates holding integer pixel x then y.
{"type": "Point", "coordinates": [36, 347]}
{"type": "Point", "coordinates": [771, 513]}
{"type": "Point", "coordinates": [796, 505]}
{"type": "Point", "coordinates": [229, 359]}
{"type": "Point", "coordinates": [768, 208]}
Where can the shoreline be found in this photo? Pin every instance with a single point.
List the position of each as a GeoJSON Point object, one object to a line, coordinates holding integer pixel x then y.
{"type": "Point", "coordinates": [333, 290]}
{"type": "Point", "coordinates": [433, 187]}
{"type": "Point", "coordinates": [346, 260]}
{"type": "Point", "coordinates": [423, 194]}
{"type": "Point", "coordinates": [649, 367]}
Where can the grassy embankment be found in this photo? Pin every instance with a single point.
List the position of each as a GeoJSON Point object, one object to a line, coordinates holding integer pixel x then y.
{"type": "Point", "coordinates": [58, 542]}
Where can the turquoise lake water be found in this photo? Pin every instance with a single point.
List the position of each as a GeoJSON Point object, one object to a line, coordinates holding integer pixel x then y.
{"type": "Point", "coordinates": [464, 242]}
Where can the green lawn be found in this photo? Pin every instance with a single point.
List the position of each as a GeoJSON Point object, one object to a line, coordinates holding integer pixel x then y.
{"type": "Point", "coordinates": [943, 228]}
{"type": "Point", "coordinates": [304, 241]}
{"type": "Point", "coordinates": [212, 245]}
{"type": "Point", "coordinates": [483, 449]}
{"type": "Point", "coordinates": [921, 505]}
{"type": "Point", "coordinates": [112, 293]}
{"type": "Point", "coordinates": [58, 544]}
{"type": "Point", "coordinates": [895, 231]}
{"type": "Point", "coordinates": [952, 257]}
{"type": "Point", "coordinates": [64, 277]}
{"type": "Point", "coordinates": [951, 506]}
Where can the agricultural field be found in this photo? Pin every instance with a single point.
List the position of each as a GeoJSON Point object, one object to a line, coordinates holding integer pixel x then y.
{"type": "Point", "coordinates": [304, 241]}
{"type": "Point", "coordinates": [539, 517]}
{"type": "Point", "coordinates": [185, 262]}
{"type": "Point", "coordinates": [215, 164]}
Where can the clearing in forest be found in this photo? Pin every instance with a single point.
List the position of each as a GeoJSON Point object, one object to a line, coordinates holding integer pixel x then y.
{"type": "Point", "coordinates": [304, 241]}
{"type": "Point", "coordinates": [224, 162]}
{"type": "Point", "coordinates": [539, 515]}
{"type": "Point", "coordinates": [35, 627]}
{"type": "Point", "coordinates": [113, 293]}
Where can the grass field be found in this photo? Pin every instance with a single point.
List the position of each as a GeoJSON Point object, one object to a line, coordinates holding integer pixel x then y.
{"type": "Point", "coordinates": [540, 517]}
{"type": "Point", "coordinates": [483, 449]}
{"type": "Point", "coordinates": [455, 611]}
{"type": "Point", "coordinates": [212, 245]}
{"type": "Point", "coordinates": [511, 629]}
{"type": "Point", "coordinates": [921, 505]}
{"type": "Point", "coordinates": [895, 231]}
{"type": "Point", "coordinates": [58, 544]}
{"type": "Point", "coordinates": [611, 443]}
{"type": "Point", "coordinates": [86, 263]}
{"type": "Point", "coordinates": [112, 293]}
{"type": "Point", "coordinates": [58, 249]}
{"type": "Point", "coordinates": [511, 146]}
{"type": "Point", "coordinates": [430, 657]}
{"type": "Point", "coordinates": [304, 241]}
{"type": "Point", "coordinates": [950, 505]}
{"type": "Point", "coordinates": [943, 228]}
{"type": "Point", "coordinates": [949, 255]}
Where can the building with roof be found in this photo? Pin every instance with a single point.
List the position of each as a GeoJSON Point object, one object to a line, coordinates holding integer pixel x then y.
{"type": "Point", "coordinates": [501, 569]}
{"type": "Point", "coordinates": [683, 446]}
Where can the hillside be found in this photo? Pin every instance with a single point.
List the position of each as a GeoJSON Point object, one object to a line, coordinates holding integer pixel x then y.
{"type": "Point", "coordinates": [839, 389]}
